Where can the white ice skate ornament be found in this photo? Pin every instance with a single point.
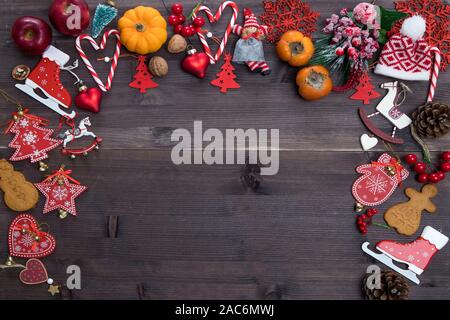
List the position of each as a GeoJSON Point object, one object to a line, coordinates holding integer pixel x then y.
{"type": "Point", "coordinates": [45, 78]}
{"type": "Point", "coordinates": [416, 254]}
{"type": "Point", "coordinates": [388, 108]}
{"type": "Point", "coordinates": [77, 133]}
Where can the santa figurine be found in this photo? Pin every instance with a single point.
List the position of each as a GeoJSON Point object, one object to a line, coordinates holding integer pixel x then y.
{"type": "Point", "coordinates": [249, 48]}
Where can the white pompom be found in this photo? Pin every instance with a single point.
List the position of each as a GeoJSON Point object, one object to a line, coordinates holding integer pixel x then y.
{"type": "Point", "coordinates": [414, 27]}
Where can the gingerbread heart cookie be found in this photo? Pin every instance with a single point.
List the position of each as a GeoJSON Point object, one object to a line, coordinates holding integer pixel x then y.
{"type": "Point", "coordinates": [405, 217]}
{"type": "Point", "coordinates": [19, 194]}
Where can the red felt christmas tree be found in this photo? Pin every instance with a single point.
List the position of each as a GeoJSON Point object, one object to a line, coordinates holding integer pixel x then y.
{"type": "Point", "coordinates": [365, 90]}
{"type": "Point", "coordinates": [225, 78]}
{"type": "Point", "coordinates": [142, 78]}
{"type": "Point", "coordinates": [31, 141]}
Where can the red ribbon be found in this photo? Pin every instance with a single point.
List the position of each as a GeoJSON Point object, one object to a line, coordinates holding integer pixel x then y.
{"type": "Point", "coordinates": [32, 228]}
{"type": "Point", "coordinates": [25, 114]}
{"type": "Point", "coordinates": [62, 172]}
{"type": "Point", "coordinates": [392, 163]}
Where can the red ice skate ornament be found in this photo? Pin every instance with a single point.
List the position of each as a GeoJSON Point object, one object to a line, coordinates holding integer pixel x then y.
{"type": "Point", "coordinates": [379, 180]}
{"type": "Point", "coordinates": [416, 255]}
{"type": "Point", "coordinates": [27, 240]}
{"type": "Point", "coordinates": [31, 141]}
{"type": "Point", "coordinates": [81, 131]}
{"type": "Point", "coordinates": [60, 193]}
{"type": "Point", "coordinates": [388, 108]}
{"type": "Point", "coordinates": [45, 76]}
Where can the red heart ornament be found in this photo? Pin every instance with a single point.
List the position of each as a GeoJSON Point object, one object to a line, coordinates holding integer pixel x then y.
{"type": "Point", "coordinates": [34, 272]}
{"type": "Point", "coordinates": [89, 99]}
{"type": "Point", "coordinates": [195, 63]}
{"type": "Point", "coordinates": [25, 240]}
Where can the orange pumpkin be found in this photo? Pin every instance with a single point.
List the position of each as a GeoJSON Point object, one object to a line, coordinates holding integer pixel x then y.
{"type": "Point", "coordinates": [295, 48]}
{"type": "Point", "coordinates": [314, 82]}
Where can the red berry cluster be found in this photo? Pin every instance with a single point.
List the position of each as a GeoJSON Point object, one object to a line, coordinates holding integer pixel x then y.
{"type": "Point", "coordinates": [177, 20]}
{"type": "Point", "coordinates": [421, 168]}
{"type": "Point", "coordinates": [365, 219]}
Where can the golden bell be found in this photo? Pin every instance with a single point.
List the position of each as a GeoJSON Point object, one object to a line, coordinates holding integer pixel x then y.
{"type": "Point", "coordinates": [37, 238]}
{"type": "Point", "coordinates": [42, 166]}
{"type": "Point", "coordinates": [62, 214]}
{"type": "Point", "coordinates": [23, 231]}
{"type": "Point", "coordinates": [391, 171]}
{"type": "Point", "coordinates": [20, 113]}
{"type": "Point", "coordinates": [359, 207]}
{"type": "Point", "coordinates": [15, 118]}
{"type": "Point", "coordinates": [10, 261]}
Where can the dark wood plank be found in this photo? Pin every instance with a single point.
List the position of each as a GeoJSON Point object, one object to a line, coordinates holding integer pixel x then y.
{"type": "Point", "coordinates": [195, 231]}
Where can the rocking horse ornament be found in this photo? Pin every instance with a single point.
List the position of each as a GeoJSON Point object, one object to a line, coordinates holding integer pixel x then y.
{"type": "Point", "coordinates": [388, 108]}
{"type": "Point", "coordinates": [76, 133]}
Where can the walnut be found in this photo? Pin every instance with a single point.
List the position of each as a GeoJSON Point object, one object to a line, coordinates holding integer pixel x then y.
{"type": "Point", "coordinates": [158, 66]}
{"type": "Point", "coordinates": [176, 44]}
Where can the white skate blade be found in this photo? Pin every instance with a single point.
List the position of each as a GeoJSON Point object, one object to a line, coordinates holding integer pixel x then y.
{"type": "Point", "coordinates": [388, 262]}
{"type": "Point", "coordinates": [47, 102]}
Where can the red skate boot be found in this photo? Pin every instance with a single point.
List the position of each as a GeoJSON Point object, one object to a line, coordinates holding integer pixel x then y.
{"type": "Point", "coordinates": [416, 254]}
{"type": "Point", "coordinates": [45, 76]}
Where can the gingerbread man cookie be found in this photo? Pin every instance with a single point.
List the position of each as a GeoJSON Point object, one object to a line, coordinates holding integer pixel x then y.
{"type": "Point", "coordinates": [405, 217]}
{"type": "Point", "coordinates": [20, 195]}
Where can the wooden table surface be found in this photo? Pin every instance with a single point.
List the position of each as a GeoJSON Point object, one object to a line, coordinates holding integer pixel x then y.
{"type": "Point", "coordinates": [194, 231]}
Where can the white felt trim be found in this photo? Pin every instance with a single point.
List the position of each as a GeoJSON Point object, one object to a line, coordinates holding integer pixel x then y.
{"type": "Point", "coordinates": [403, 75]}
{"type": "Point", "coordinates": [435, 237]}
{"type": "Point", "coordinates": [56, 55]}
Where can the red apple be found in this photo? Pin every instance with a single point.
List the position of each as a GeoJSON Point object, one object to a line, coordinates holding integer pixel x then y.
{"type": "Point", "coordinates": [70, 17]}
{"type": "Point", "coordinates": [32, 35]}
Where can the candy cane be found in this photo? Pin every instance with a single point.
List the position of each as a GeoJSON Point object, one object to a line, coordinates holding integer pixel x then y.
{"type": "Point", "coordinates": [102, 46]}
{"type": "Point", "coordinates": [214, 18]}
{"type": "Point", "coordinates": [434, 73]}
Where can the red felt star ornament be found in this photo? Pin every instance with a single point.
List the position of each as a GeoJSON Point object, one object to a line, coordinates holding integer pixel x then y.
{"type": "Point", "coordinates": [60, 193]}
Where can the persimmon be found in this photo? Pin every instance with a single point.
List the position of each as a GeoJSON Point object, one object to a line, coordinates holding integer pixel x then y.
{"type": "Point", "coordinates": [295, 48]}
{"type": "Point", "coordinates": [314, 82]}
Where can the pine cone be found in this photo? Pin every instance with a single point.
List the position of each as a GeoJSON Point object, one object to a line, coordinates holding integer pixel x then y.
{"type": "Point", "coordinates": [432, 120]}
{"type": "Point", "coordinates": [392, 287]}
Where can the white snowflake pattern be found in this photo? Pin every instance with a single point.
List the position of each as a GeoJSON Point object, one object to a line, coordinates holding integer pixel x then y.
{"type": "Point", "coordinates": [24, 122]}
{"type": "Point", "coordinates": [60, 193]}
{"type": "Point", "coordinates": [67, 204]}
{"type": "Point", "coordinates": [29, 138]}
{"type": "Point", "coordinates": [52, 202]}
{"type": "Point", "coordinates": [16, 234]}
{"type": "Point", "coordinates": [44, 82]}
{"type": "Point", "coordinates": [18, 248]}
{"type": "Point", "coordinates": [44, 244]}
{"type": "Point", "coordinates": [425, 254]}
{"type": "Point", "coordinates": [48, 189]}
{"type": "Point", "coordinates": [73, 190]}
{"type": "Point", "coordinates": [27, 240]}
{"type": "Point", "coordinates": [410, 258]}
{"type": "Point", "coordinates": [42, 69]}
{"type": "Point", "coordinates": [376, 184]}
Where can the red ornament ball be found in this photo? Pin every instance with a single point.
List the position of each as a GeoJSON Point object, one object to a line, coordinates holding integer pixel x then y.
{"type": "Point", "coordinates": [441, 175]}
{"type": "Point", "coordinates": [446, 156]}
{"type": "Point", "coordinates": [445, 167]}
{"type": "Point", "coordinates": [177, 8]}
{"type": "Point", "coordinates": [420, 167]}
{"type": "Point", "coordinates": [181, 19]}
{"type": "Point", "coordinates": [198, 22]}
{"type": "Point", "coordinates": [422, 178]}
{"type": "Point", "coordinates": [411, 159]}
{"type": "Point", "coordinates": [433, 178]}
{"type": "Point", "coordinates": [351, 51]}
{"type": "Point", "coordinates": [172, 20]}
{"type": "Point", "coordinates": [177, 29]}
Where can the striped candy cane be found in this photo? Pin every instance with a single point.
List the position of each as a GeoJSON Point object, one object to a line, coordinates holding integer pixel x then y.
{"type": "Point", "coordinates": [434, 73]}
{"type": "Point", "coordinates": [214, 18]}
{"type": "Point", "coordinates": [102, 46]}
